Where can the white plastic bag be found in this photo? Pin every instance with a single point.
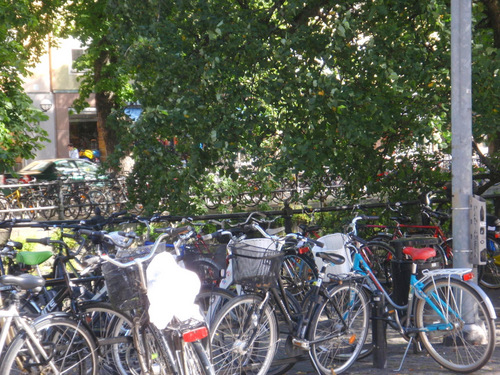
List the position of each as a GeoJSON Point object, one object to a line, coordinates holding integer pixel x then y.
{"type": "Point", "coordinates": [171, 291]}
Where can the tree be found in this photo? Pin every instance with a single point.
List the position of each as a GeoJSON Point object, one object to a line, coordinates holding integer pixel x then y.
{"type": "Point", "coordinates": [356, 91]}
{"type": "Point", "coordinates": [24, 27]}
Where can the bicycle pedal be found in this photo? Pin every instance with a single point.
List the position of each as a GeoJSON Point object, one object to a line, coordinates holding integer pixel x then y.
{"type": "Point", "coordinates": [301, 343]}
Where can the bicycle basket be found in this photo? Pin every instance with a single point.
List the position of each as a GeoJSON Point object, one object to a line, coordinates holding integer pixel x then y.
{"type": "Point", "coordinates": [5, 235]}
{"type": "Point", "coordinates": [256, 262]}
{"type": "Point", "coordinates": [124, 284]}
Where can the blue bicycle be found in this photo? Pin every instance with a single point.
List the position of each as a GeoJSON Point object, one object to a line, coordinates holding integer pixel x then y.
{"type": "Point", "coordinates": [446, 312]}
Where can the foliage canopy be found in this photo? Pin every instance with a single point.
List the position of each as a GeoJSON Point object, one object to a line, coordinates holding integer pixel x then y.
{"type": "Point", "coordinates": [258, 92]}
{"type": "Point", "coordinates": [24, 27]}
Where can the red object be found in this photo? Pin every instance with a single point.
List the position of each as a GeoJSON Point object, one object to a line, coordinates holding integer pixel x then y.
{"type": "Point", "coordinates": [417, 253]}
{"type": "Point", "coordinates": [195, 334]}
{"type": "Point", "coordinates": [468, 276]}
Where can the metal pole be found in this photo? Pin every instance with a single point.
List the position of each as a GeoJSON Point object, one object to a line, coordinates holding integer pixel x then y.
{"type": "Point", "coordinates": [461, 128]}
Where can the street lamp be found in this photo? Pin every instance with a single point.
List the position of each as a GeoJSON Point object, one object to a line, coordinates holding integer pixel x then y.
{"type": "Point", "coordinates": [45, 105]}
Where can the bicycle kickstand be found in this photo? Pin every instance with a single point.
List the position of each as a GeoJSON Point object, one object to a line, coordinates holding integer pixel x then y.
{"type": "Point", "coordinates": [404, 355]}
{"type": "Point", "coordinates": [314, 364]}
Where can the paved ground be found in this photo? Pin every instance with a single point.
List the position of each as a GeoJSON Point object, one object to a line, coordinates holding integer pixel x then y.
{"type": "Point", "coordinates": [415, 364]}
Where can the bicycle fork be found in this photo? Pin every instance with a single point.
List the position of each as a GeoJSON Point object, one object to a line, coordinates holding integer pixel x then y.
{"type": "Point", "coordinates": [252, 324]}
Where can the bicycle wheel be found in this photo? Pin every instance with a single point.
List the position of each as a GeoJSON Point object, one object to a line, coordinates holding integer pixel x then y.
{"type": "Point", "coordinates": [69, 349]}
{"type": "Point", "coordinates": [86, 205]}
{"type": "Point", "coordinates": [155, 349]}
{"type": "Point", "coordinates": [71, 207]}
{"type": "Point", "coordinates": [339, 329]}
{"type": "Point", "coordinates": [99, 199]}
{"type": "Point", "coordinates": [212, 301]}
{"type": "Point", "coordinates": [206, 269]}
{"type": "Point", "coordinates": [489, 273]}
{"type": "Point", "coordinates": [5, 207]}
{"type": "Point", "coordinates": [196, 359]}
{"type": "Point", "coordinates": [243, 337]}
{"type": "Point", "coordinates": [379, 256]}
{"type": "Point", "coordinates": [283, 361]}
{"type": "Point", "coordinates": [114, 333]}
{"type": "Point", "coordinates": [470, 342]}
{"type": "Point", "coordinates": [297, 273]}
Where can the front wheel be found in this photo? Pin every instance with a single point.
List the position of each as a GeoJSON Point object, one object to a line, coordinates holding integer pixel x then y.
{"type": "Point", "coordinates": [457, 328]}
{"type": "Point", "coordinates": [68, 348]}
{"type": "Point", "coordinates": [244, 337]}
{"type": "Point", "coordinates": [339, 329]}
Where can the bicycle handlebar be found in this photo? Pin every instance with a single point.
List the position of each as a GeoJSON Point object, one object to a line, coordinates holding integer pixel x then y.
{"type": "Point", "coordinates": [167, 232]}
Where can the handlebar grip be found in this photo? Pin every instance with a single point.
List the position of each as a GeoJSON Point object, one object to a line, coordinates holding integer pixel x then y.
{"type": "Point", "coordinates": [317, 243]}
{"type": "Point", "coordinates": [210, 236]}
{"type": "Point", "coordinates": [44, 241]}
{"type": "Point", "coordinates": [92, 260]}
{"type": "Point", "coordinates": [368, 217]}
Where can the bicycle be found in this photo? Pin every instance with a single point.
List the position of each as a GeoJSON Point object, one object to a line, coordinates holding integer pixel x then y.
{"type": "Point", "coordinates": [449, 315]}
{"type": "Point", "coordinates": [176, 348]}
{"type": "Point", "coordinates": [432, 226]}
{"type": "Point", "coordinates": [51, 344]}
{"type": "Point", "coordinates": [245, 333]}
{"type": "Point", "coordinates": [489, 273]}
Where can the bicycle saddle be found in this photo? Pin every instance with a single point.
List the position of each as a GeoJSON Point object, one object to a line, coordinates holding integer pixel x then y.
{"type": "Point", "coordinates": [420, 253]}
{"type": "Point", "coordinates": [24, 282]}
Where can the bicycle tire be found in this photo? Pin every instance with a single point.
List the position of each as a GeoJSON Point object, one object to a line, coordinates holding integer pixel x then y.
{"type": "Point", "coordinates": [380, 255]}
{"type": "Point", "coordinates": [153, 344]}
{"type": "Point", "coordinates": [457, 349]}
{"type": "Point", "coordinates": [71, 207]}
{"type": "Point", "coordinates": [69, 345]}
{"type": "Point", "coordinates": [86, 205]}
{"type": "Point", "coordinates": [197, 359]}
{"type": "Point", "coordinates": [233, 327]}
{"type": "Point", "coordinates": [489, 273]}
{"type": "Point", "coordinates": [212, 300]}
{"type": "Point", "coordinates": [281, 355]}
{"type": "Point", "coordinates": [297, 273]}
{"type": "Point", "coordinates": [207, 270]}
{"type": "Point", "coordinates": [99, 199]}
{"type": "Point", "coordinates": [113, 330]}
{"type": "Point", "coordinates": [4, 206]}
{"type": "Point", "coordinates": [339, 329]}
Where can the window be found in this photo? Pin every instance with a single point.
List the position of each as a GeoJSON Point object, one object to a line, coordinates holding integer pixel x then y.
{"type": "Point", "coordinates": [75, 54]}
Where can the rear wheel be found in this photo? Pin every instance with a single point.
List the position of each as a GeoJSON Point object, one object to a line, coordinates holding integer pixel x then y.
{"type": "Point", "coordinates": [196, 359]}
{"type": "Point", "coordinates": [489, 273]}
{"type": "Point", "coordinates": [461, 335]}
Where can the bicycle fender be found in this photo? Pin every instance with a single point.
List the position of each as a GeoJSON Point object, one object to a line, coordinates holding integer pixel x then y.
{"type": "Point", "coordinates": [486, 299]}
{"type": "Point", "coordinates": [482, 294]}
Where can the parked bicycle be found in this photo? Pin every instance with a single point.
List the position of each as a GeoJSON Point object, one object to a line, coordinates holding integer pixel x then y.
{"type": "Point", "coordinates": [447, 313]}
{"type": "Point", "coordinates": [175, 348]}
{"type": "Point", "coordinates": [245, 332]}
{"type": "Point", "coordinates": [54, 343]}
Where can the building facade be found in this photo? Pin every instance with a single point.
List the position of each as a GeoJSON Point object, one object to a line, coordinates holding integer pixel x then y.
{"type": "Point", "coordinates": [53, 87]}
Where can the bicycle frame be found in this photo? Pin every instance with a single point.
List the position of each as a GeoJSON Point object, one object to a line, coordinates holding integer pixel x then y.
{"type": "Point", "coordinates": [10, 317]}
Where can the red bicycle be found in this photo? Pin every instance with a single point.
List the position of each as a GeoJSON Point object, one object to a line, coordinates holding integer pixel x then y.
{"type": "Point", "coordinates": [404, 228]}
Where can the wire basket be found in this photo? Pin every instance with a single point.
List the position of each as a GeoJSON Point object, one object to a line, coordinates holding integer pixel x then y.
{"type": "Point", "coordinates": [256, 263]}
{"type": "Point", "coordinates": [5, 235]}
{"type": "Point", "coordinates": [124, 284]}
